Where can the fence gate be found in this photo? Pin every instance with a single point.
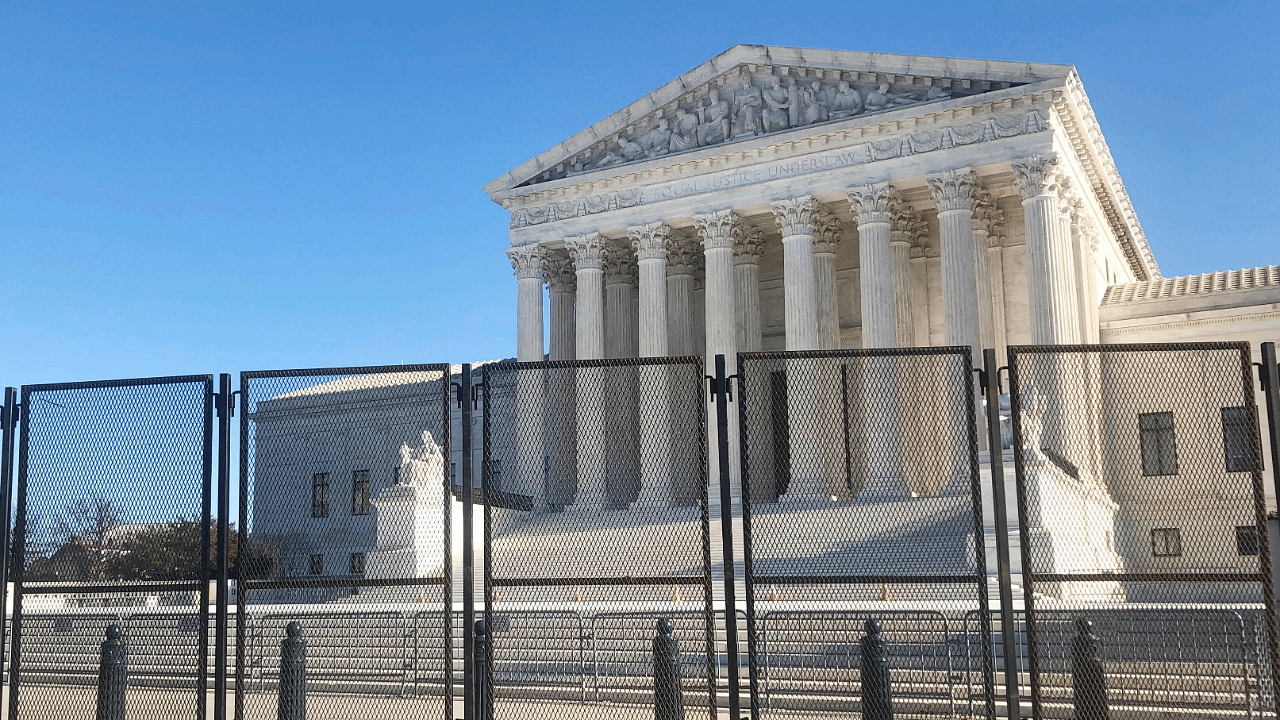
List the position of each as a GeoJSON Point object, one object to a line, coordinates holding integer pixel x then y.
{"type": "Point", "coordinates": [596, 527]}
{"type": "Point", "coordinates": [113, 528]}
{"type": "Point", "coordinates": [346, 528]}
{"type": "Point", "coordinates": [862, 528]}
{"type": "Point", "coordinates": [1143, 529]}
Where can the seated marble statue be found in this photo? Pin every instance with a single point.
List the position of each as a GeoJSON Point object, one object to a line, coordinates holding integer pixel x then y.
{"type": "Point", "coordinates": [685, 134]}
{"type": "Point", "coordinates": [878, 99]}
{"type": "Point", "coordinates": [747, 104]}
{"type": "Point", "coordinates": [777, 102]}
{"type": "Point", "coordinates": [713, 120]}
{"type": "Point", "coordinates": [846, 102]}
{"type": "Point", "coordinates": [815, 107]}
{"type": "Point", "coordinates": [657, 141]}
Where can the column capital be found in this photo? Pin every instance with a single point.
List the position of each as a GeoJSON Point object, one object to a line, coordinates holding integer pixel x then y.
{"type": "Point", "coordinates": [717, 230]}
{"type": "Point", "coordinates": [873, 203]}
{"type": "Point", "coordinates": [829, 232]}
{"type": "Point", "coordinates": [906, 226]}
{"type": "Point", "coordinates": [586, 251]}
{"type": "Point", "coordinates": [527, 261]}
{"type": "Point", "coordinates": [953, 190]}
{"type": "Point", "coordinates": [795, 216]}
{"type": "Point", "coordinates": [619, 265]}
{"type": "Point", "coordinates": [683, 253]}
{"type": "Point", "coordinates": [1037, 175]}
{"type": "Point", "coordinates": [987, 217]}
{"type": "Point", "coordinates": [650, 241]}
{"type": "Point", "coordinates": [750, 246]}
{"type": "Point", "coordinates": [559, 273]}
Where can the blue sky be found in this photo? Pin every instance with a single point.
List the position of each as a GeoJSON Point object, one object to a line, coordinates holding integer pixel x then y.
{"type": "Point", "coordinates": [191, 188]}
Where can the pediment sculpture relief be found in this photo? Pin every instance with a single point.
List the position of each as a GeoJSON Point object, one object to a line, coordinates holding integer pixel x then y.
{"type": "Point", "coordinates": [750, 102]}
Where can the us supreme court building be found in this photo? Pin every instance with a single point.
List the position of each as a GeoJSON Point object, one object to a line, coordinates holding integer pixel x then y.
{"type": "Point", "coordinates": [780, 198]}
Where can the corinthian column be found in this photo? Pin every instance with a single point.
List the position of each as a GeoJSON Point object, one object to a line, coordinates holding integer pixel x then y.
{"type": "Point", "coordinates": [873, 205]}
{"type": "Point", "coordinates": [1051, 299]}
{"type": "Point", "coordinates": [682, 260]}
{"type": "Point", "coordinates": [987, 220]}
{"type": "Point", "coordinates": [953, 191]}
{"type": "Point", "coordinates": [746, 284]}
{"type": "Point", "coordinates": [654, 401]}
{"type": "Point", "coordinates": [619, 281]}
{"type": "Point", "coordinates": [650, 244]}
{"type": "Point", "coordinates": [717, 232]}
{"type": "Point", "coordinates": [905, 226]}
{"type": "Point", "coordinates": [587, 252]}
{"type": "Point", "coordinates": [527, 262]}
{"type": "Point", "coordinates": [562, 281]}
{"type": "Point", "coordinates": [825, 243]}
{"type": "Point", "coordinates": [796, 219]}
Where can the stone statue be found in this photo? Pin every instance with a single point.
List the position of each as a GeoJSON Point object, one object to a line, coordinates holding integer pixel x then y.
{"type": "Point", "coordinates": [713, 120]}
{"type": "Point", "coordinates": [795, 114]}
{"type": "Point", "coordinates": [846, 102]}
{"type": "Point", "coordinates": [815, 108]}
{"type": "Point", "coordinates": [422, 466]}
{"type": "Point", "coordinates": [627, 152]}
{"type": "Point", "coordinates": [878, 99]}
{"type": "Point", "coordinates": [747, 105]}
{"type": "Point", "coordinates": [777, 101]}
{"type": "Point", "coordinates": [657, 141]}
{"type": "Point", "coordinates": [685, 134]}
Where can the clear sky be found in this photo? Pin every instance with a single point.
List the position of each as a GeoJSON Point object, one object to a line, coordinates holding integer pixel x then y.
{"type": "Point", "coordinates": [216, 187]}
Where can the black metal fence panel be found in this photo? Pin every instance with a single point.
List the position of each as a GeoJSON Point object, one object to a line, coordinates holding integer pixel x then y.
{"type": "Point", "coordinates": [596, 528]}
{"type": "Point", "coordinates": [862, 508]}
{"type": "Point", "coordinates": [346, 527]}
{"type": "Point", "coordinates": [113, 527]}
{"type": "Point", "coordinates": [1143, 531]}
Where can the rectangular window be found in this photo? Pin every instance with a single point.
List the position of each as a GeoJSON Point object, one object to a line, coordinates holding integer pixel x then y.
{"type": "Point", "coordinates": [1159, 451]}
{"type": "Point", "coordinates": [1247, 540]}
{"type": "Point", "coordinates": [357, 563]}
{"type": "Point", "coordinates": [320, 495]}
{"type": "Point", "coordinates": [1237, 439]}
{"type": "Point", "coordinates": [360, 492]}
{"type": "Point", "coordinates": [1166, 542]}
{"type": "Point", "coordinates": [453, 473]}
{"type": "Point", "coordinates": [317, 564]}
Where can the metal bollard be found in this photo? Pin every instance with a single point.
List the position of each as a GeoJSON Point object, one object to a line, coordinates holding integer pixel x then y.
{"type": "Point", "coordinates": [668, 696]}
{"type": "Point", "coordinates": [484, 703]}
{"type": "Point", "coordinates": [877, 691]}
{"type": "Point", "coordinates": [292, 698]}
{"type": "Point", "coordinates": [1088, 678]}
{"type": "Point", "coordinates": [113, 676]}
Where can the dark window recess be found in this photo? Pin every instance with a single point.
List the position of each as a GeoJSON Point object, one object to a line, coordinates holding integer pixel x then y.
{"type": "Point", "coordinates": [1159, 449]}
{"type": "Point", "coordinates": [1237, 440]}
{"type": "Point", "coordinates": [1166, 542]}
{"type": "Point", "coordinates": [320, 495]}
{"type": "Point", "coordinates": [357, 563]}
{"type": "Point", "coordinates": [1247, 540]}
{"type": "Point", "coordinates": [360, 492]}
{"type": "Point", "coordinates": [317, 564]}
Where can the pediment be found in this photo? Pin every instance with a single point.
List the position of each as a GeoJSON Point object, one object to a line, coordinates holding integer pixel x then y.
{"type": "Point", "coordinates": [752, 91]}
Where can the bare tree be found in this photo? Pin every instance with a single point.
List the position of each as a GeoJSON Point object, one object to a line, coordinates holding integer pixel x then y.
{"type": "Point", "coordinates": [89, 525]}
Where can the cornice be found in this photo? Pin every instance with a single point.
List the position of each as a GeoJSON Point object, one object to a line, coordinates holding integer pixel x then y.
{"type": "Point", "coordinates": [1080, 125]}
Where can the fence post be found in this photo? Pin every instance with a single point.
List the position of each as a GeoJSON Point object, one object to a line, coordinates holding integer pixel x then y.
{"type": "Point", "coordinates": [668, 697]}
{"type": "Point", "coordinates": [877, 696]}
{"type": "Point", "coordinates": [113, 676]}
{"type": "Point", "coordinates": [293, 675]}
{"type": "Point", "coordinates": [1088, 682]}
{"type": "Point", "coordinates": [481, 674]}
{"type": "Point", "coordinates": [1008, 616]}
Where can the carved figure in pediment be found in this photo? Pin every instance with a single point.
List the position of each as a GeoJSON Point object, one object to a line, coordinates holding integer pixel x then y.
{"type": "Point", "coordinates": [685, 134]}
{"type": "Point", "coordinates": [657, 141]}
{"type": "Point", "coordinates": [747, 104]}
{"type": "Point", "coordinates": [815, 103]}
{"type": "Point", "coordinates": [796, 111]}
{"type": "Point", "coordinates": [713, 120]}
{"type": "Point", "coordinates": [846, 102]}
{"type": "Point", "coordinates": [776, 115]}
{"type": "Point", "coordinates": [627, 151]}
{"type": "Point", "coordinates": [910, 97]}
{"type": "Point", "coordinates": [878, 99]}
